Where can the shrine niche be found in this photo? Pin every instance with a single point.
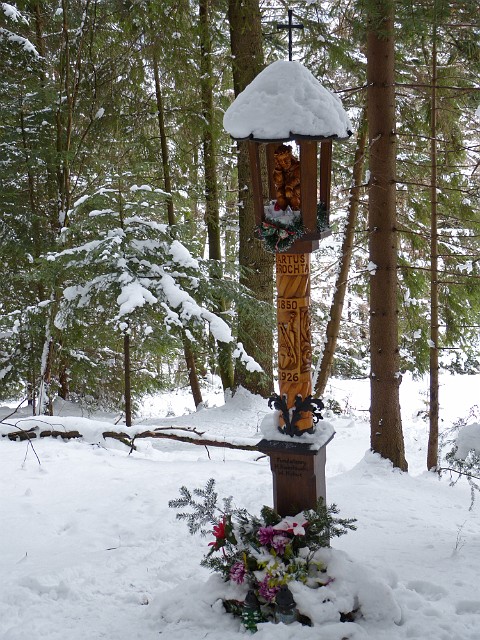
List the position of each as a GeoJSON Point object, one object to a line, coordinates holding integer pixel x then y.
{"type": "Point", "coordinates": [296, 216]}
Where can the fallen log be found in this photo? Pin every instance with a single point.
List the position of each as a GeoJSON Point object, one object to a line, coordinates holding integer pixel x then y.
{"type": "Point", "coordinates": [65, 435]}
{"type": "Point", "coordinates": [22, 435]}
{"type": "Point", "coordinates": [128, 439]}
{"type": "Point", "coordinates": [30, 434]}
{"type": "Point", "coordinates": [205, 442]}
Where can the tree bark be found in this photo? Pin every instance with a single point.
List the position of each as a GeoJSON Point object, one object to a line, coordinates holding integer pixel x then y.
{"type": "Point", "coordinates": [333, 325]}
{"type": "Point", "coordinates": [128, 380]}
{"type": "Point", "coordinates": [192, 371]}
{"type": "Point", "coordinates": [386, 425]}
{"type": "Point", "coordinates": [212, 207]}
{"type": "Point", "coordinates": [45, 400]}
{"type": "Point", "coordinates": [163, 138]}
{"type": "Point", "coordinates": [256, 264]}
{"type": "Point", "coordinates": [432, 451]}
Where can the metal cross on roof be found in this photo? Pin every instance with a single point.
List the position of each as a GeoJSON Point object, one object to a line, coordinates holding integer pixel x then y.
{"type": "Point", "coordinates": [290, 26]}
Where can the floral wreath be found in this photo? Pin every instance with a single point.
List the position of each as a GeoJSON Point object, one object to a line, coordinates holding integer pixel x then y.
{"type": "Point", "coordinates": [280, 229]}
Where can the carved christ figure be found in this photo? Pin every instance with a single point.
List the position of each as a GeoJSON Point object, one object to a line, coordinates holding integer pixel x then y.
{"type": "Point", "coordinates": [286, 177]}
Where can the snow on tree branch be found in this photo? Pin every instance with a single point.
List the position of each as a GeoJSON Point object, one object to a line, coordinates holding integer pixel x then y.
{"type": "Point", "coordinates": [12, 13]}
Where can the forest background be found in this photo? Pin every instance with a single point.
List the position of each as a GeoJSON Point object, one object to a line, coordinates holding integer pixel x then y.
{"type": "Point", "coordinates": [126, 225]}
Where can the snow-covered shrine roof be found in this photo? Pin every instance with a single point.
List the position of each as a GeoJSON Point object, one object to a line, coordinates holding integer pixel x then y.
{"type": "Point", "coordinates": [285, 101]}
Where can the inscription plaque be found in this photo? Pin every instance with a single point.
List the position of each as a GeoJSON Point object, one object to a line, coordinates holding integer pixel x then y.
{"type": "Point", "coordinates": [289, 467]}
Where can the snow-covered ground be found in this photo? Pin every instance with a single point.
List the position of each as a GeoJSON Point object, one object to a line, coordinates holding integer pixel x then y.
{"type": "Point", "coordinates": [90, 549]}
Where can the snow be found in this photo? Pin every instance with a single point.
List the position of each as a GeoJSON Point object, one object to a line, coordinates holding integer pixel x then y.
{"type": "Point", "coordinates": [182, 256]}
{"type": "Point", "coordinates": [133, 296]}
{"type": "Point", "coordinates": [12, 12]}
{"type": "Point", "coordinates": [324, 432]}
{"type": "Point", "coordinates": [250, 364]}
{"type": "Point", "coordinates": [287, 217]}
{"type": "Point", "coordinates": [283, 102]}
{"type": "Point", "coordinates": [468, 440]}
{"type": "Point", "coordinates": [143, 187]}
{"type": "Point", "coordinates": [91, 550]}
{"type": "Point", "coordinates": [23, 42]}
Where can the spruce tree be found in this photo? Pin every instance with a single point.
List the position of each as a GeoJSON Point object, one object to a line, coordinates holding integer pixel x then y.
{"type": "Point", "coordinates": [386, 435]}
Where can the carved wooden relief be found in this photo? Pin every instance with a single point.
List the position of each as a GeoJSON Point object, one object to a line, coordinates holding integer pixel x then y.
{"type": "Point", "coordinates": [294, 334]}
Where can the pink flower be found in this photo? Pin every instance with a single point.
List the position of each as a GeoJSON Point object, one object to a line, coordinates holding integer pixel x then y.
{"type": "Point", "coordinates": [295, 525]}
{"type": "Point", "coordinates": [237, 572]}
{"type": "Point", "coordinates": [279, 543]}
{"type": "Point", "coordinates": [268, 593]}
{"type": "Point", "coordinates": [265, 535]}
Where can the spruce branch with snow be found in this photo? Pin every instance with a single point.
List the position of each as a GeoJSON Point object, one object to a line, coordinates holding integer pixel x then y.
{"type": "Point", "coordinates": [127, 269]}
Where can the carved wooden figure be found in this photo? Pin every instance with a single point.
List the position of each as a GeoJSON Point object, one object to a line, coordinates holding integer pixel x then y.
{"type": "Point", "coordinates": [286, 178]}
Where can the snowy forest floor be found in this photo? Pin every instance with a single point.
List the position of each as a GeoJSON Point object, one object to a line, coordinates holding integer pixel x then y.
{"type": "Point", "coordinates": [89, 548]}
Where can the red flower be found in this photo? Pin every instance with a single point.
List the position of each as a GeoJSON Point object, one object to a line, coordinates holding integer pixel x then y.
{"type": "Point", "coordinates": [220, 533]}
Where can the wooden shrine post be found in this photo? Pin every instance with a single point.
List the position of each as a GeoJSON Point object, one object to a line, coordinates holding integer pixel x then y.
{"type": "Point", "coordinates": [292, 217]}
{"type": "Point", "coordinates": [298, 468]}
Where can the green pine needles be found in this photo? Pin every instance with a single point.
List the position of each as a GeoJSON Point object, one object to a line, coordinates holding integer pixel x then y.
{"type": "Point", "coordinates": [202, 512]}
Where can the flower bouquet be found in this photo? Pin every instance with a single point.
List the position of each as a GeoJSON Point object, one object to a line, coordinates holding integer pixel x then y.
{"type": "Point", "coordinates": [264, 553]}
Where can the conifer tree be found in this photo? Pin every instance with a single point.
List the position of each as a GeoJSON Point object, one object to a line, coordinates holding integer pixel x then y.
{"type": "Point", "coordinates": [256, 264]}
{"type": "Point", "coordinates": [385, 420]}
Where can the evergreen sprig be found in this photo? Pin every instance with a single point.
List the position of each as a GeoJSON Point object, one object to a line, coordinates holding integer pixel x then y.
{"type": "Point", "coordinates": [323, 525]}
{"type": "Point", "coordinates": [279, 236]}
{"type": "Point", "coordinates": [468, 467]}
{"type": "Point", "coordinates": [201, 512]}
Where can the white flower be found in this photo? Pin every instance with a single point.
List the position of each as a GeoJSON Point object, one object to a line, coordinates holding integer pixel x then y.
{"type": "Point", "coordinates": [295, 525]}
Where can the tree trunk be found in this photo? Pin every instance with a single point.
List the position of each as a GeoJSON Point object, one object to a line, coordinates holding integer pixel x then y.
{"type": "Point", "coordinates": [165, 157]}
{"type": "Point", "coordinates": [45, 401]}
{"type": "Point", "coordinates": [127, 377]}
{"type": "Point", "coordinates": [386, 423]}
{"type": "Point", "coordinates": [63, 382]}
{"type": "Point", "coordinates": [256, 264]}
{"type": "Point", "coordinates": [432, 451]}
{"type": "Point", "coordinates": [336, 309]}
{"type": "Point", "coordinates": [192, 371]}
{"type": "Point", "coordinates": [163, 138]}
{"type": "Point", "coordinates": [212, 208]}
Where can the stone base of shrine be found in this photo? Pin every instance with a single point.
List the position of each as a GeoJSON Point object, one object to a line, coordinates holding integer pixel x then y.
{"type": "Point", "coordinates": [298, 474]}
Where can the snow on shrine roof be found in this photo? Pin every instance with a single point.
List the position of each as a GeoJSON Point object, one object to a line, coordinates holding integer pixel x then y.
{"type": "Point", "coordinates": [285, 101]}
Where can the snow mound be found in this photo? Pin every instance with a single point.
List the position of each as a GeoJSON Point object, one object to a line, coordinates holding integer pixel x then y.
{"type": "Point", "coordinates": [353, 587]}
{"type": "Point", "coordinates": [468, 439]}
